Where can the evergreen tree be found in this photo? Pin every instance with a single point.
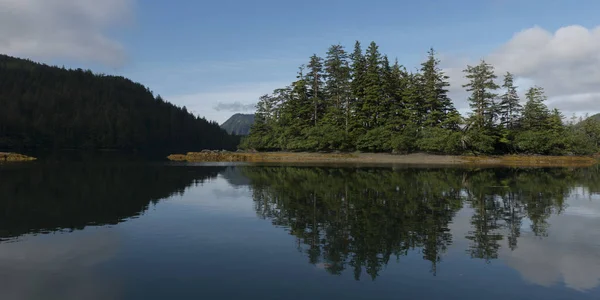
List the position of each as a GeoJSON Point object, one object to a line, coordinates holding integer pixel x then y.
{"type": "Point", "coordinates": [482, 87]}
{"type": "Point", "coordinates": [373, 87]}
{"type": "Point", "coordinates": [314, 79]}
{"type": "Point", "coordinates": [535, 112]}
{"type": "Point", "coordinates": [337, 85]}
{"type": "Point", "coordinates": [509, 107]}
{"type": "Point", "coordinates": [436, 104]}
{"type": "Point", "coordinates": [359, 71]}
{"type": "Point", "coordinates": [396, 84]}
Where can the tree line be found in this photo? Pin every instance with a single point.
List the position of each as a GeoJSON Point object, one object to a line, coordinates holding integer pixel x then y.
{"type": "Point", "coordinates": [46, 107]}
{"type": "Point", "coordinates": [362, 101]}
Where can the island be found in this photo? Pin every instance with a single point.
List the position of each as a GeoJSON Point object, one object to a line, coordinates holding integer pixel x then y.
{"type": "Point", "coordinates": [355, 102]}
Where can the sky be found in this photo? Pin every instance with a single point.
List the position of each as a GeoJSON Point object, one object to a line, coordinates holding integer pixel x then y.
{"type": "Point", "coordinates": [217, 57]}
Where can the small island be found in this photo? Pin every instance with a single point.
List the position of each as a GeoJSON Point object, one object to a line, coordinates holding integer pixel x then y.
{"type": "Point", "coordinates": [14, 157]}
{"type": "Point", "coordinates": [360, 107]}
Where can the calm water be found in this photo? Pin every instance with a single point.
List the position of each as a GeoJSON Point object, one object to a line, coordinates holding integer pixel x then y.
{"type": "Point", "coordinates": [165, 231]}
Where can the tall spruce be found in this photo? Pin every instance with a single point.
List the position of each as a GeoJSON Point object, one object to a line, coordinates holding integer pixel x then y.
{"type": "Point", "coordinates": [337, 85]}
{"type": "Point", "coordinates": [359, 71]}
{"type": "Point", "coordinates": [509, 107]}
{"type": "Point", "coordinates": [314, 78]}
{"type": "Point", "coordinates": [373, 87]}
{"type": "Point", "coordinates": [482, 87]}
{"type": "Point", "coordinates": [389, 87]}
{"type": "Point", "coordinates": [397, 109]}
{"type": "Point", "coordinates": [436, 103]}
{"type": "Point", "coordinates": [535, 112]}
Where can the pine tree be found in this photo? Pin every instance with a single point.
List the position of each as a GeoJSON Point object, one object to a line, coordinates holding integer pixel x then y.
{"type": "Point", "coordinates": [535, 112]}
{"type": "Point", "coordinates": [396, 83]}
{"type": "Point", "coordinates": [436, 103]}
{"type": "Point", "coordinates": [359, 70]}
{"type": "Point", "coordinates": [412, 98]}
{"type": "Point", "coordinates": [509, 107]}
{"type": "Point", "coordinates": [482, 87]}
{"type": "Point", "coordinates": [373, 87]}
{"type": "Point", "coordinates": [314, 78]}
{"type": "Point", "coordinates": [337, 84]}
{"type": "Point", "coordinates": [389, 86]}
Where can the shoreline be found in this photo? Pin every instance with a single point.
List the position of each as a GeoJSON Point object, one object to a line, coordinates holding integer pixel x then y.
{"type": "Point", "coordinates": [386, 158]}
{"type": "Point", "coordinates": [14, 157]}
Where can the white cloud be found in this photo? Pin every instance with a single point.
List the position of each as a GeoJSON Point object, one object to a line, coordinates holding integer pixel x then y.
{"type": "Point", "coordinates": [203, 103]}
{"type": "Point", "coordinates": [566, 63]}
{"type": "Point", "coordinates": [71, 29]}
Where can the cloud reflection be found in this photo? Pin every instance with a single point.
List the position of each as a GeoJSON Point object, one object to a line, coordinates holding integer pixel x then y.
{"type": "Point", "coordinates": [62, 263]}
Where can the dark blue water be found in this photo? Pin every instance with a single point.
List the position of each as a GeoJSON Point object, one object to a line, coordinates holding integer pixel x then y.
{"type": "Point", "coordinates": [170, 231]}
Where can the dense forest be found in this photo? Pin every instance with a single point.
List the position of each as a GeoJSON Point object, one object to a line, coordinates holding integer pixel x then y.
{"type": "Point", "coordinates": [46, 107]}
{"type": "Point", "coordinates": [362, 101]}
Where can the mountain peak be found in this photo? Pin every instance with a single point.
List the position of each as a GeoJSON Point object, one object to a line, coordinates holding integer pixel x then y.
{"type": "Point", "coordinates": [239, 124]}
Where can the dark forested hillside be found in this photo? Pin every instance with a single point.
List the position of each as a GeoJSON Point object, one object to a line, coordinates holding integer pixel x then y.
{"type": "Point", "coordinates": [49, 107]}
{"type": "Point", "coordinates": [239, 124]}
{"type": "Point", "coordinates": [360, 100]}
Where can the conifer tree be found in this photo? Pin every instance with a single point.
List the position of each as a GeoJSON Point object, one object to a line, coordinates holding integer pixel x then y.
{"type": "Point", "coordinates": [314, 79]}
{"type": "Point", "coordinates": [337, 84]}
{"type": "Point", "coordinates": [372, 87]}
{"type": "Point", "coordinates": [482, 87]}
{"type": "Point", "coordinates": [535, 112]}
{"type": "Point", "coordinates": [359, 70]}
{"type": "Point", "coordinates": [509, 107]}
{"type": "Point", "coordinates": [436, 103]}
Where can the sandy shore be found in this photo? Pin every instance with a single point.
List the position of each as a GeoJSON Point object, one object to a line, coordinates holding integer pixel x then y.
{"type": "Point", "coordinates": [382, 158]}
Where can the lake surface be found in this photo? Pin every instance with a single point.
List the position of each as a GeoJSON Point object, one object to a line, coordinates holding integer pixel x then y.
{"type": "Point", "coordinates": [183, 231]}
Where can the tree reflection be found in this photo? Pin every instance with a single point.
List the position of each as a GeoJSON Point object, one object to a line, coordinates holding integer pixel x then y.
{"type": "Point", "coordinates": [345, 218]}
{"type": "Point", "coordinates": [41, 198]}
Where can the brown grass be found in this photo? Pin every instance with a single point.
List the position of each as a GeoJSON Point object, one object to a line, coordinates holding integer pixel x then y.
{"type": "Point", "coordinates": [534, 160]}
{"type": "Point", "coordinates": [381, 158]}
{"type": "Point", "coordinates": [14, 157]}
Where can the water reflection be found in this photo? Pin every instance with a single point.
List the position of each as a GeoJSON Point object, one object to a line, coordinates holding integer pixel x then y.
{"type": "Point", "coordinates": [41, 198]}
{"type": "Point", "coordinates": [63, 265]}
{"type": "Point", "coordinates": [358, 219]}
{"type": "Point", "coordinates": [361, 223]}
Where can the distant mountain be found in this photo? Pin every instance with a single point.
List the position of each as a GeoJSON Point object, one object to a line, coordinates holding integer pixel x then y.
{"type": "Point", "coordinates": [239, 124]}
{"type": "Point", "coordinates": [595, 117]}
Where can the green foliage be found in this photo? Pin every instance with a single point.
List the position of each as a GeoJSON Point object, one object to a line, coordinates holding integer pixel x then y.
{"type": "Point", "coordinates": [363, 102]}
{"type": "Point", "coordinates": [509, 107]}
{"type": "Point", "coordinates": [375, 140]}
{"type": "Point", "coordinates": [50, 107]}
{"type": "Point", "coordinates": [440, 140]}
{"type": "Point", "coordinates": [540, 142]}
{"type": "Point", "coordinates": [482, 87]}
{"type": "Point", "coordinates": [535, 112]}
{"type": "Point", "coordinates": [480, 141]}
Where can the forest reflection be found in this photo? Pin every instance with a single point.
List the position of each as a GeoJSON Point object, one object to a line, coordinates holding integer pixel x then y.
{"type": "Point", "coordinates": [42, 198]}
{"type": "Point", "coordinates": [360, 218]}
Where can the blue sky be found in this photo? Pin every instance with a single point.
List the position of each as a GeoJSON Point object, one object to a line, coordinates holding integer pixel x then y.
{"type": "Point", "coordinates": [202, 53]}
